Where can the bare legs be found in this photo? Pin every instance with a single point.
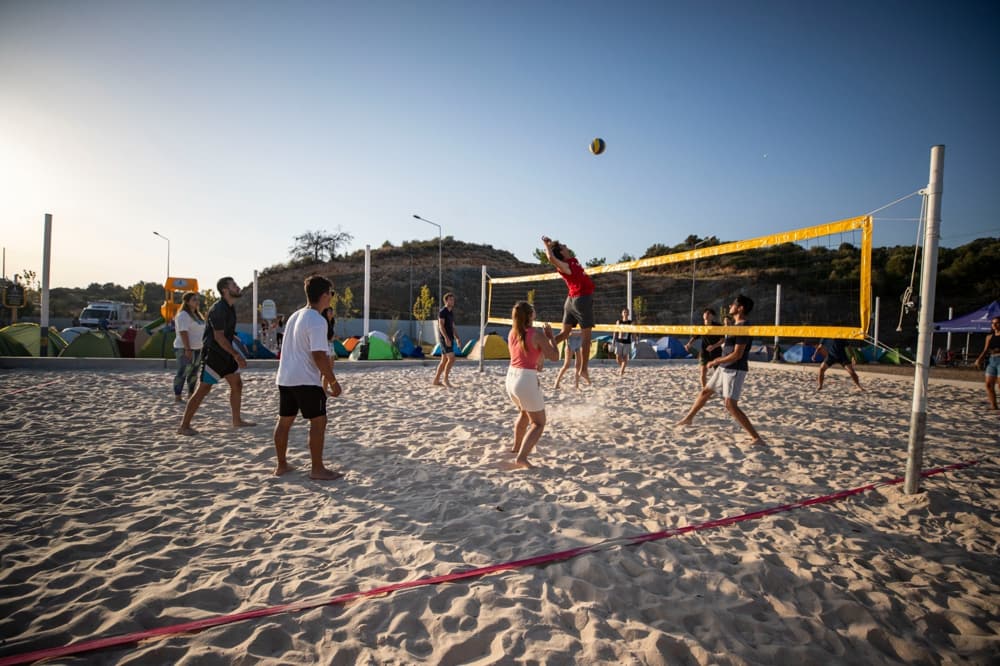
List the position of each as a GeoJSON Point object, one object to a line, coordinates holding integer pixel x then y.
{"type": "Point", "coordinates": [235, 401]}
{"type": "Point", "coordinates": [527, 430]}
{"type": "Point", "coordinates": [566, 363]}
{"type": "Point", "coordinates": [317, 435]}
{"type": "Point", "coordinates": [584, 370]}
{"type": "Point", "coordinates": [848, 368]}
{"type": "Point", "coordinates": [444, 369]}
{"type": "Point", "coordinates": [731, 406]}
{"type": "Point", "coordinates": [991, 391]}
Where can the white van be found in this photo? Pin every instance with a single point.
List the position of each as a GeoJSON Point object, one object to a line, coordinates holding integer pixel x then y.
{"type": "Point", "coordinates": [117, 315]}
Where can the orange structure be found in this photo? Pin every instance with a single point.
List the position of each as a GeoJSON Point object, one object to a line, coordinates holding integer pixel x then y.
{"type": "Point", "coordinates": [175, 288]}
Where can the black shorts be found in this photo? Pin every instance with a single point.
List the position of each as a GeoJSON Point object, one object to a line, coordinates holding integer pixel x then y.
{"type": "Point", "coordinates": [842, 359]}
{"type": "Point", "coordinates": [310, 400]}
{"type": "Point", "coordinates": [579, 310]}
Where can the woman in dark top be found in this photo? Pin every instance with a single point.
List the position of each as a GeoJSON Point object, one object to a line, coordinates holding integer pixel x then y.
{"type": "Point", "coordinates": [990, 360]}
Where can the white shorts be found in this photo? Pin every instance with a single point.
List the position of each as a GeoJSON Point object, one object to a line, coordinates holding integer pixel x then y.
{"type": "Point", "coordinates": [727, 382]}
{"type": "Point", "coordinates": [524, 389]}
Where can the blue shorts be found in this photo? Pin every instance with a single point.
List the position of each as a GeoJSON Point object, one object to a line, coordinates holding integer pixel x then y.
{"type": "Point", "coordinates": [993, 366]}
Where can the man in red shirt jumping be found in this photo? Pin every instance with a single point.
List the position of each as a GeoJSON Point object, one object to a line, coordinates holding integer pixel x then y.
{"type": "Point", "coordinates": [579, 306]}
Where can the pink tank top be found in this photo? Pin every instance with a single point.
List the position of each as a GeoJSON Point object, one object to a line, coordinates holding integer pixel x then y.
{"type": "Point", "coordinates": [519, 358]}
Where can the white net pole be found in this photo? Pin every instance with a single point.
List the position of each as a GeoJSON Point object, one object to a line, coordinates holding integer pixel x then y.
{"type": "Point", "coordinates": [925, 337]}
{"type": "Point", "coordinates": [482, 319]}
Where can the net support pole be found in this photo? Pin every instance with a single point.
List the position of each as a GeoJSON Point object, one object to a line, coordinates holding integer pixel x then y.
{"type": "Point", "coordinates": [368, 288]}
{"type": "Point", "coordinates": [947, 344]}
{"type": "Point", "coordinates": [925, 336]}
{"type": "Point", "coordinates": [255, 333]}
{"type": "Point", "coordinates": [482, 318]}
{"type": "Point", "coordinates": [43, 341]}
{"type": "Point", "coordinates": [628, 293]}
{"type": "Point", "coordinates": [878, 306]}
{"type": "Point", "coordinates": [777, 319]}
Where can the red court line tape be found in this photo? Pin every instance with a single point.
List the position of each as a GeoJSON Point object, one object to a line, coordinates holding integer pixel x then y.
{"type": "Point", "coordinates": [199, 625]}
{"type": "Point", "coordinates": [30, 388]}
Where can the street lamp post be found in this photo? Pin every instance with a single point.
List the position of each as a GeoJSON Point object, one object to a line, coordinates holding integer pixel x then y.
{"type": "Point", "coordinates": [157, 233]}
{"type": "Point", "coordinates": [694, 264]}
{"type": "Point", "coordinates": [440, 294]}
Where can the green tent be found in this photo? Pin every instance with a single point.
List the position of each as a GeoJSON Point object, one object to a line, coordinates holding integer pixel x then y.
{"type": "Point", "coordinates": [378, 350]}
{"type": "Point", "coordinates": [11, 347]}
{"type": "Point", "coordinates": [159, 345]}
{"type": "Point", "coordinates": [94, 344]}
{"type": "Point", "coordinates": [28, 334]}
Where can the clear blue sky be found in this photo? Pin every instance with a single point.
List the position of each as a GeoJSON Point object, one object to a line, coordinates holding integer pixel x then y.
{"type": "Point", "coordinates": [230, 127]}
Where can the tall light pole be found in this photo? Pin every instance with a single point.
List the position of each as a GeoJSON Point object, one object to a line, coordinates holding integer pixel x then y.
{"type": "Point", "coordinates": [157, 233]}
{"type": "Point", "coordinates": [694, 264]}
{"type": "Point", "coordinates": [440, 294]}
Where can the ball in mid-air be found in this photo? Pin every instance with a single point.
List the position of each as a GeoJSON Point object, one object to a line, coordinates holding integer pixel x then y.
{"type": "Point", "coordinates": [597, 146]}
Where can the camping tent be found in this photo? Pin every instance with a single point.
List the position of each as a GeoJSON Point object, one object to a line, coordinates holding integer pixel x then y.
{"type": "Point", "coordinates": [377, 349]}
{"type": "Point", "coordinates": [872, 354]}
{"type": "Point", "coordinates": [28, 334]}
{"type": "Point", "coordinates": [974, 322]}
{"type": "Point", "coordinates": [93, 344]}
{"type": "Point", "coordinates": [601, 347]}
{"type": "Point", "coordinates": [159, 344]}
{"type": "Point", "coordinates": [69, 334]}
{"type": "Point", "coordinates": [340, 350]}
{"type": "Point", "coordinates": [454, 347]}
{"type": "Point", "coordinates": [351, 342]}
{"type": "Point", "coordinates": [407, 348]}
{"type": "Point", "coordinates": [467, 347]}
{"type": "Point", "coordinates": [490, 347]}
{"type": "Point", "coordinates": [643, 349]}
{"type": "Point", "coordinates": [667, 347]}
{"type": "Point", "coordinates": [800, 353]}
{"type": "Point", "coordinates": [11, 347]}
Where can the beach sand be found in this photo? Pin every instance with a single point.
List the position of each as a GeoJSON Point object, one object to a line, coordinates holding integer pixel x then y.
{"type": "Point", "coordinates": [112, 523]}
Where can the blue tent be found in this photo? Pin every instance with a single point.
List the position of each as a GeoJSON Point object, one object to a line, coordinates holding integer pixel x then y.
{"type": "Point", "coordinates": [872, 354]}
{"type": "Point", "coordinates": [667, 347]}
{"type": "Point", "coordinates": [437, 349]}
{"type": "Point", "coordinates": [974, 322]}
{"type": "Point", "coordinates": [407, 348]}
{"type": "Point", "coordinates": [800, 353]}
{"type": "Point", "coordinates": [255, 348]}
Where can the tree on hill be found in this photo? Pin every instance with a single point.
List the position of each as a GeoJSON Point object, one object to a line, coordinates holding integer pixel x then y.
{"type": "Point", "coordinates": [318, 246]}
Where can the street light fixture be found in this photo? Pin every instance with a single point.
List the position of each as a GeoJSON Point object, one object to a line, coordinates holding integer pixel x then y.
{"type": "Point", "coordinates": [694, 264]}
{"type": "Point", "coordinates": [157, 233]}
{"type": "Point", "coordinates": [440, 294]}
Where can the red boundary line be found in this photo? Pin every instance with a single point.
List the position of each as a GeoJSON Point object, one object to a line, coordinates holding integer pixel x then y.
{"type": "Point", "coordinates": [199, 625]}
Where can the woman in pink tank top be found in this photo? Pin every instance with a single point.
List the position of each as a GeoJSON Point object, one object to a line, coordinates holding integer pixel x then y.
{"type": "Point", "coordinates": [527, 347]}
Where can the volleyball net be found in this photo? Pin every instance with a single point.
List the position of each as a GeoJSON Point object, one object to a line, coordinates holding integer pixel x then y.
{"type": "Point", "coordinates": [813, 282]}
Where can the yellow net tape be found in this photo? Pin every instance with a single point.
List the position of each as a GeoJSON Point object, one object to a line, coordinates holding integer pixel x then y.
{"type": "Point", "coordinates": [864, 223]}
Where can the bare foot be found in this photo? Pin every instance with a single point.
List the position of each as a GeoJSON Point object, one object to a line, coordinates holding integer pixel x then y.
{"type": "Point", "coordinates": [522, 464]}
{"type": "Point", "coordinates": [586, 377]}
{"type": "Point", "coordinates": [756, 442]}
{"type": "Point", "coordinates": [325, 474]}
{"type": "Point", "coordinates": [282, 468]}
{"type": "Point", "coordinates": [683, 423]}
{"type": "Point", "coordinates": [244, 424]}
{"type": "Point", "coordinates": [187, 430]}
{"type": "Point", "coordinates": [448, 384]}
{"type": "Point", "coordinates": [435, 383]}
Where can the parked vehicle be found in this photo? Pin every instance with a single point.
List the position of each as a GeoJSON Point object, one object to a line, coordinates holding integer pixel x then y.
{"type": "Point", "coordinates": [109, 314]}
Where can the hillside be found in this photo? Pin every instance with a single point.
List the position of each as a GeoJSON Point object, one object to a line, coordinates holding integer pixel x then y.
{"type": "Point", "coordinates": [398, 272]}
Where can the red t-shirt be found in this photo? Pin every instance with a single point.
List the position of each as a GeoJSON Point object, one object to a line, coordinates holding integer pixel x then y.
{"type": "Point", "coordinates": [578, 281]}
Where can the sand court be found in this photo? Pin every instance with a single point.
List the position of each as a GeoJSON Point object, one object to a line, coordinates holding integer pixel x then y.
{"type": "Point", "coordinates": [114, 524]}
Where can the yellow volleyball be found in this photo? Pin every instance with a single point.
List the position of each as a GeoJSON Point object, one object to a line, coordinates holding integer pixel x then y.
{"type": "Point", "coordinates": [597, 146]}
